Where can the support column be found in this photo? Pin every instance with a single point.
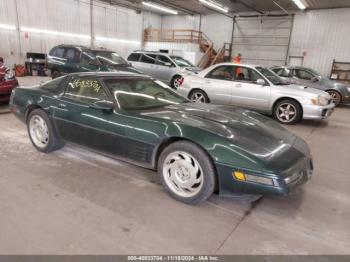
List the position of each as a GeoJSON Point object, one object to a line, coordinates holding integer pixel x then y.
{"type": "Point", "coordinates": [92, 33]}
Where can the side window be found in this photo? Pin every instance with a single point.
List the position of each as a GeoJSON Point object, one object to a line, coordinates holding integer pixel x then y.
{"type": "Point", "coordinates": [86, 60]}
{"type": "Point", "coordinates": [148, 58]}
{"type": "Point", "coordinates": [72, 55]}
{"type": "Point", "coordinates": [163, 60]}
{"type": "Point", "coordinates": [284, 72]}
{"type": "Point", "coordinates": [86, 90]}
{"type": "Point", "coordinates": [302, 74]}
{"type": "Point", "coordinates": [134, 57]}
{"type": "Point", "coordinates": [57, 52]}
{"type": "Point", "coordinates": [246, 74]}
{"type": "Point", "coordinates": [222, 73]}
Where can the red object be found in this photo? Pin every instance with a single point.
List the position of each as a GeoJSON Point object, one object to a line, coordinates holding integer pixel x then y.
{"type": "Point", "coordinates": [6, 86]}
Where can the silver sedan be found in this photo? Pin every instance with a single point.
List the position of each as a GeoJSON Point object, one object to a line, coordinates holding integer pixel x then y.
{"type": "Point", "coordinates": [256, 88]}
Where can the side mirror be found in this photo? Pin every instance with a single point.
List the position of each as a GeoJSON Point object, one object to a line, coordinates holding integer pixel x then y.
{"type": "Point", "coordinates": [260, 81]}
{"type": "Point", "coordinates": [315, 79]}
{"type": "Point", "coordinates": [103, 106]}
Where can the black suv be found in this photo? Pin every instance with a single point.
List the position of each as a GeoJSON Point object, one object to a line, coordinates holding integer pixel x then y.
{"type": "Point", "coordinates": [65, 59]}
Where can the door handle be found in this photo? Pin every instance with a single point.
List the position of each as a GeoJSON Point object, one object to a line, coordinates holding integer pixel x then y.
{"type": "Point", "coordinates": [61, 105]}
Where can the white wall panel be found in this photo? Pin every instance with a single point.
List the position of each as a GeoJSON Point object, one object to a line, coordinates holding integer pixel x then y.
{"type": "Point", "coordinates": [180, 22]}
{"type": "Point", "coordinates": [262, 40]}
{"type": "Point", "coordinates": [323, 35]}
{"type": "Point", "coordinates": [218, 28]}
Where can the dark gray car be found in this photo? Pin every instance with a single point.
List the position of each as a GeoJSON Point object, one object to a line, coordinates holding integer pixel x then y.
{"type": "Point", "coordinates": [306, 76]}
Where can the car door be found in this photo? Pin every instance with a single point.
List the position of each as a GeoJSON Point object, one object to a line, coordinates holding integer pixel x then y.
{"type": "Point", "coordinates": [218, 84]}
{"type": "Point", "coordinates": [165, 68]}
{"type": "Point", "coordinates": [72, 56]}
{"type": "Point", "coordinates": [247, 93]}
{"type": "Point", "coordinates": [78, 120]}
{"type": "Point", "coordinates": [147, 65]}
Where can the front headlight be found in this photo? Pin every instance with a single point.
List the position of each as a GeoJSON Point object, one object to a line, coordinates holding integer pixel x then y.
{"type": "Point", "coordinates": [348, 89]}
{"type": "Point", "coordinates": [321, 100]}
{"type": "Point", "coordinates": [9, 75]}
{"type": "Point", "coordinates": [252, 178]}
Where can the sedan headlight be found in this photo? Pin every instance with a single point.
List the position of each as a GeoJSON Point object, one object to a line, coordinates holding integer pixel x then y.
{"type": "Point", "coordinates": [321, 100]}
{"type": "Point", "coordinates": [9, 75]}
{"type": "Point", "coordinates": [348, 89]}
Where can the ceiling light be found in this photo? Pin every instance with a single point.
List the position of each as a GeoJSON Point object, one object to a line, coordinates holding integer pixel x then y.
{"type": "Point", "coordinates": [9, 27]}
{"type": "Point", "coordinates": [160, 7]}
{"type": "Point", "coordinates": [49, 32]}
{"type": "Point", "coordinates": [299, 4]}
{"type": "Point", "coordinates": [124, 41]}
{"type": "Point", "coordinates": [215, 5]}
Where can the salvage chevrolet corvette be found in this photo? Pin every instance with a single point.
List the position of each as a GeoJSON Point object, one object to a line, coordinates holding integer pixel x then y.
{"type": "Point", "coordinates": [197, 148]}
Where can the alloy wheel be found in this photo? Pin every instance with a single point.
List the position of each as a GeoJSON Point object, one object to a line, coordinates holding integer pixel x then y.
{"type": "Point", "coordinates": [39, 131]}
{"type": "Point", "coordinates": [336, 98]}
{"type": "Point", "coordinates": [177, 82]}
{"type": "Point", "coordinates": [197, 97]}
{"type": "Point", "coordinates": [286, 113]}
{"type": "Point", "coordinates": [183, 174]}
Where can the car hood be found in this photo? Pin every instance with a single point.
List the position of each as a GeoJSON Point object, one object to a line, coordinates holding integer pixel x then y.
{"type": "Point", "coordinates": [300, 90]}
{"type": "Point", "coordinates": [248, 131]}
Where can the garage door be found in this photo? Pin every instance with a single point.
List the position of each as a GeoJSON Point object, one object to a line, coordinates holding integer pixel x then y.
{"type": "Point", "coordinates": [262, 41]}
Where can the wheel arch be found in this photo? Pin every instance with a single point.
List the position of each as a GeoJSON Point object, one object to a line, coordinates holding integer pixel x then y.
{"type": "Point", "coordinates": [29, 109]}
{"type": "Point", "coordinates": [167, 142]}
{"type": "Point", "coordinates": [335, 90]}
{"type": "Point", "coordinates": [287, 98]}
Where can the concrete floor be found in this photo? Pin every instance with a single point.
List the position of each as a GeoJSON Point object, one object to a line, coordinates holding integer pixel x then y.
{"type": "Point", "coordinates": [76, 202]}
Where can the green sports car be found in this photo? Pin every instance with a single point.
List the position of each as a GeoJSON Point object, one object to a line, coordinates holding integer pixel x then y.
{"type": "Point", "coordinates": [197, 149]}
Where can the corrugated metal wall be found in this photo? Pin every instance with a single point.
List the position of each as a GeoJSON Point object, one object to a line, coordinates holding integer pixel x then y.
{"type": "Point", "coordinates": [180, 22]}
{"type": "Point", "coordinates": [262, 40]}
{"type": "Point", "coordinates": [70, 16]}
{"type": "Point", "coordinates": [323, 35]}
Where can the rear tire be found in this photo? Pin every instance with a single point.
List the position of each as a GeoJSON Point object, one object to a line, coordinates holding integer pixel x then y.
{"type": "Point", "coordinates": [198, 96]}
{"type": "Point", "coordinates": [176, 81]}
{"type": "Point", "coordinates": [336, 96]}
{"type": "Point", "coordinates": [287, 111]}
{"type": "Point", "coordinates": [55, 74]}
{"type": "Point", "coordinates": [186, 172]}
{"type": "Point", "coordinates": [41, 132]}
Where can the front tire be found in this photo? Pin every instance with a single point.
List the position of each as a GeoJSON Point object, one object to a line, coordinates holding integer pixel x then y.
{"type": "Point", "coordinates": [336, 96]}
{"type": "Point", "coordinates": [41, 132]}
{"type": "Point", "coordinates": [199, 96]}
{"type": "Point", "coordinates": [287, 111]}
{"type": "Point", "coordinates": [186, 172]}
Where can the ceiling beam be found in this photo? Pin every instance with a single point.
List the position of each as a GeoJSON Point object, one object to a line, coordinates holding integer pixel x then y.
{"type": "Point", "coordinates": [241, 2]}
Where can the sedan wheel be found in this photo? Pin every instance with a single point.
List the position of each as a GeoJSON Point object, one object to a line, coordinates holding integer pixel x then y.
{"type": "Point", "coordinates": [336, 97]}
{"type": "Point", "coordinates": [186, 172]}
{"type": "Point", "coordinates": [176, 82]}
{"type": "Point", "coordinates": [183, 174]}
{"type": "Point", "coordinates": [39, 131]}
{"type": "Point", "coordinates": [199, 96]}
{"type": "Point", "coordinates": [287, 111]}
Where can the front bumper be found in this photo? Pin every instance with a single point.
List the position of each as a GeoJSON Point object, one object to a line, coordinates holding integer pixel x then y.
{"type": "Point", "coordinates": [317, 112]}
{"type": "Point", "coordinates": [298, 175]}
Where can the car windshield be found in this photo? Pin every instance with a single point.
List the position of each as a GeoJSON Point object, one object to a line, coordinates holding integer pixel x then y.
{"type": "Point", "coordinates": [107, 58]}
{"type": "Point", "coordinates": [137, 94]}
{"type": "Point", "coordinates": [315, 73]}
{"type": "Point", "coordinates": [271, 76]}
{"type": "Point", "coordinates": [181, 62]}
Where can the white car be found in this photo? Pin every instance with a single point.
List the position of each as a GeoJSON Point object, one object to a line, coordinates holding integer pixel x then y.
{"type": "Point", "coordinates": [257, 88]}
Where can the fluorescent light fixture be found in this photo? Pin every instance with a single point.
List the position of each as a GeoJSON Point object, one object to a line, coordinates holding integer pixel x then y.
{"type": "Point", "coordinates": [299, 4]}
{"type": "Point", "coordinates": [49, 32]}
{"type": "Point", "coordinates": [160, 7]}
{"type": "Point", "coordinates": [215, 5]}
{"type": "Point", "coordinates": [124, 41]}
{"type": "Point", "coordinates": [9, 27]}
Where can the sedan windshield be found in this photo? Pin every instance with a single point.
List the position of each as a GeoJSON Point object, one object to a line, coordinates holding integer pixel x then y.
{"type": "Point", "coordinates": [271, 76]}
{"type": "Point", "coordinates": [107, 58]}
{"type": "Point", "coordinates": [137, 94]}
{"type": "Point", "coordinates": [181, 62]}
